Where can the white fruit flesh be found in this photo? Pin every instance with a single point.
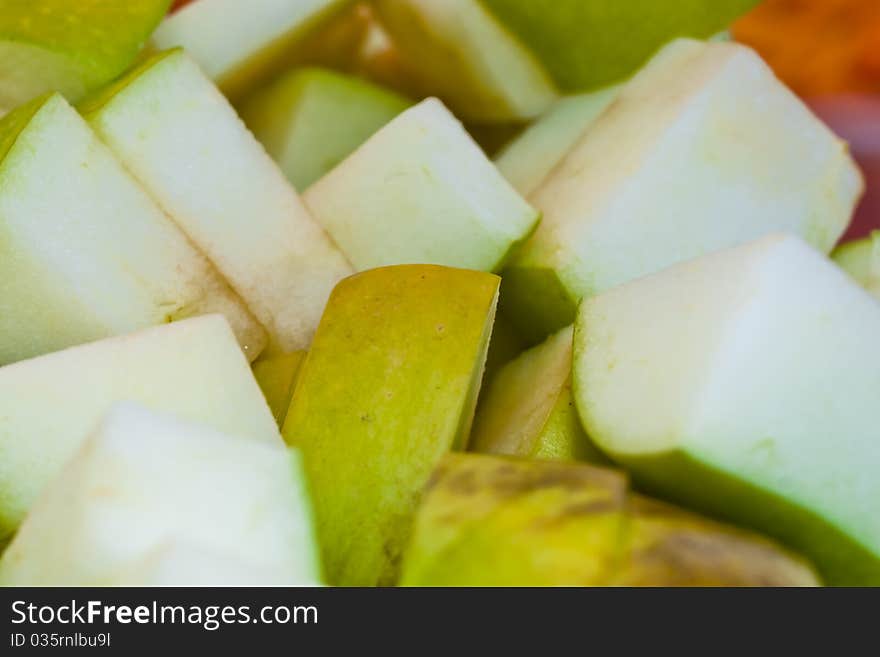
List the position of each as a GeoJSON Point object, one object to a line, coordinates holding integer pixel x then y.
{"type": "Point", "coordinates": [238, 43]}
{"type": "Point", "coordinates": [528, 160]}
{"type": "Point", "coordinates": [420, 191]}
{"type": "Point", "coordinates": [746, 383]}
{"type": "Point", "coordinates": [702, 150]}
{"type": "Point", "coordinates": [183, 141]}
{"type": "Point", "coordinates": [463, 55]}
{"type": "Point", "coordinates": [84, 253]}
{"type": "Point", "coordinates": [145, 479]}
{"type": "Point", "coordinates": [48, 405]}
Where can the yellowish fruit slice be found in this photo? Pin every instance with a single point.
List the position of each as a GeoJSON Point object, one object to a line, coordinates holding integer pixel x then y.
{"type": "Point", "coordinates": [144, 480]}
{"type": "Point", "coordinates": [388, 387]}
{"type": "Point", "coordinates": [85, 254]}
{"type": "Point", "coordinates": [48, 405]}
{"type": "Point", "coordinates": [276, 376]}
{"type": "Point", "coordinates": [185, 144]}
{"type": "Point", "coordinates": [529, 410]}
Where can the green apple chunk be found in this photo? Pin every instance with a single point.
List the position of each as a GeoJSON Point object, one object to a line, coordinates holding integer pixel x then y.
{"type": "Point", "coordinates": [529, 411]}
{"type": "Point", "coordinates": [191, 368]}
{"type": "Point", "coordinates": [456, 50]}
{"type": "Point", "coordinates": [182, 140]}
{"type": "Point", "coordinates": [70, 47]}
{"type": "Point", "coordinates": [492, 521]}
{"type": "Point", "coordinates": [242, 44]}
{"type": "Point", "coordinates": [143, 481]}
{"type": "Point", "coordinates": [499, 521]}
{"type": "Point", "coordinates": [745, 384]}
{"type": "Point", "coordinates": [861, 260]}
{"type": "Point", "coordinates": [726, 154]}
{"type": "Point", "coordinates": [310, 120]}
{"type": "Point", "coordinates": [421, 191]}
{"type": "Point", "coordinates": [389, 386]}
{"type": "Point", "coordinates": [276, 376]}
{"type": "Point", "coordinates": [84, 252]}
{"type": "Point", "coordinates": [528, 160]}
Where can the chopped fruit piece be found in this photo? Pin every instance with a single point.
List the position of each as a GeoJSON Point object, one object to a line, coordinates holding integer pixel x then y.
{"type": "Point", "coordinates": [421, 191]}
{"type": "Point", "coordinates": [389, 386]}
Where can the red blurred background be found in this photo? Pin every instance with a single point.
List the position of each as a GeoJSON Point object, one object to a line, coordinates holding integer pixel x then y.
{"type": "Point", "coordinates": [828, 51]}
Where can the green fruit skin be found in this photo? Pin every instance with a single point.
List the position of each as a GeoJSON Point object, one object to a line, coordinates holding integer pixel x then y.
{"type": "Point", "coordinates": [537, 302]}
{"type": "Point", "coordinates": [71, 47]}
{"type": "Point", "coordinates": [311, 119]}
{"type": "Point", "coordinates": [587, 44]}
{"type": "Point", "coordinates": [389, 386]}
{"type": "Point", "coordinates": [276, 376]}
{"type": "Point", "coordinates": [688, 480]}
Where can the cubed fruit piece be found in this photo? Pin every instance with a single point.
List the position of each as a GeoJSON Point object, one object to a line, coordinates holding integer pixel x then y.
{"type": "Point", "coordinates": [498, 521]}
{"type": "Point", "coordinates": [498, 60]}
{"type": "Point", "coordinates": [144, 480]}
{"type": "Point", "coordinates": [666, 546]}
{"type": "Point", "coordinates": [529, 411]}
{"type": "Point", "coordinates": [311, 119]}
{"type": "Point", "coordinates": [48, 405]}
{"type": "Point", "coordinates": [388, 387]}
{"type": "Point", "coordinates": [458, 51]}
{"type": "Point", "coordinates": [276, 376]}
{"type": "Point", "coordinates": [528, 160]}
{"type": "Point", "coordinates": [745, 384]}
{"type": "Point", "coordinates": [725, 154]}
{"type": "Point", "coordinates": [861, 260]}
{"type": "Point", "coordinates": [182, 140]}
{"type": "Point", "coordinates": [242, 44]}
{"type": "Point", "coordinates": [70, 47]}
{"type": "Point", "coordinates": [421, 191]}
{"type": "Point", "coordinates": [84, 253]}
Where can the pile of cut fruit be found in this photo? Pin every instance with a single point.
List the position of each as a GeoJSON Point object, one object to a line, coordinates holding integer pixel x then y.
{"type": "Point", "coordinates": [426, 292]}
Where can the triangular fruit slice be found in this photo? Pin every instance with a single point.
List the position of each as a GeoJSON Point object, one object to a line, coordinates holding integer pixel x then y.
{"type": "Point", "coordinates": [182, 140]}
{"type": "Point", "coordinates": [745, 384]}
{"type": "Point", "coordinates": [389, 386]}
{"type": "Point", "coordinates": [529, 411]}
{"type": "Point", "coordinates": [71, 47]}
{"type": "Point", "coordinates": [145, 479]}
{"type": "Point", "coordinates": [242, 44]}
{"type": "Point", "coordinates": [421, 191]}
{"type": "Point", "coordinates": [726, 154]}
{"type": "Point", "coordinates": [84, 252]}
{"type": "Point", "coordinates": [48, 405]}
{"type": "Point", "coordinates": [311, 119]}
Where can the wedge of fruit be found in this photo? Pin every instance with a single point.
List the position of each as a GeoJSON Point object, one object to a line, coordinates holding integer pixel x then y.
{"type": "Point", "coordinates": [861, 260]}
{"type": "Point", "coordinates": [421, 191]}
{"type": "Point", "coordinates": [70, 47]}
{"type": "Point", "coordinates": [242, 44]}
{"type": "Point", "coordinates": [144, 480]}
{"type": "Point", "coordinates": [745, 384]}
{"type": "Point", "coordinates": [498, 521]}
{"type": "Point", "coordinates": [528, 409]}
{"type": "Point", "coordinates": [388, 387]}
{"type": "Point", "coordinates": [276, 376]}
{"type": "Point", "coordinates": [48, 405]}
{"type": "Point", "coordinates": [726, 154]}
{"type": "Point", "coordinates": [311, 119]}
{"type": "Point", "coordinates": [183, 141]}
{"type": "Point", "coordinates": [497, 60]}
{"type": "Point", "coordinates": [528, 160]}
{"type": "Point", "coordinates": [84, 253]}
